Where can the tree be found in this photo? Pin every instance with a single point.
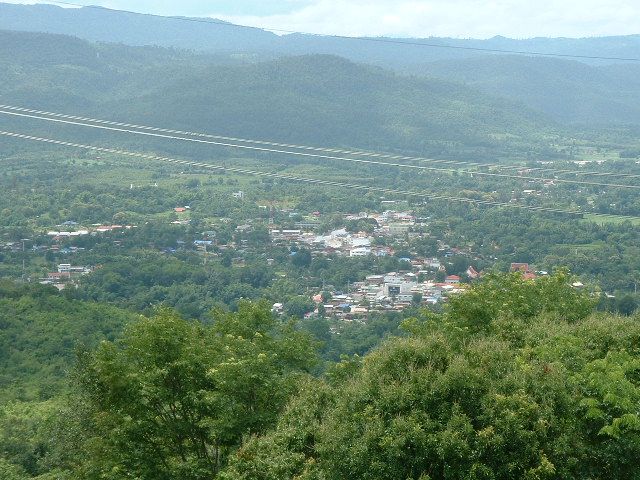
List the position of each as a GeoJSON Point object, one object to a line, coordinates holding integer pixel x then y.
{"type": "Point", "coordinates": [298, 306]}
{"type": "Point", "coordinates": [627, 305]}
{"type": "Point", "coordinates": [498, 297]}
{"type": "Point", "coordinates": [416, 298]}
{"type": "Point", "coordinates": [301, 258]}
{"type": "Point", "coordinates": [557, 400]}
{"type": "Point", "coordinates": [172, 398]}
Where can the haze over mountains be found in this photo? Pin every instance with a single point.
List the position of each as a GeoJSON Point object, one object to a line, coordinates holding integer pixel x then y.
{"type": "Point", "coordinates": [253, 83]}
{"type": "Point", "coordinates": [318, 99]}
{"type": "Point", "coordinates": [104, 25]}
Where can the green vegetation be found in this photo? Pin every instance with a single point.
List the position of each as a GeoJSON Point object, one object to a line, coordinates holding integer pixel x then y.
{"type": "Point", "coordinates": [208, 325]}
{"type": "Point", "coordinates": [38, 332]}
{"type": "Point", "coordinates": [516, 378]}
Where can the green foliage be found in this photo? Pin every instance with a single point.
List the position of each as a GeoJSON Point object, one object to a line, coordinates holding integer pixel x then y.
{"type": "Point", "coordinates": [499, 297]}
{"type": "Point", "coordinates": [557, 401]}
{"type": "Point", "coordinates": [39, 329]}
{"type": "Point", "coordinates": [26, 432]}
{"type": "Point", "coordinates": [172, 398]}
{"type": "Point", "coordinates": [9, 471]}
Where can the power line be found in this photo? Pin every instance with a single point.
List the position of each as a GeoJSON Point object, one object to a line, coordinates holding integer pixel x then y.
{"type": "Point", "coordinates": [318, 149]}
{"type": "Point", "coordinates": [322, 156]}
{"type": "Point", "coordinates": [363, 39]}
{"type": "Point", "coordinates": [293, 178]}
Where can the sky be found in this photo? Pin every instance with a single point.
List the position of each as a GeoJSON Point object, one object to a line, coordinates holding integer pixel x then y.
{"type": "Point", "coordinates": [409, 18]}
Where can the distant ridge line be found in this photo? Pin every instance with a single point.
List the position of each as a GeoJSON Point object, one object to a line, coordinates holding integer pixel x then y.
{"type": "Point", "coordinates": [346, 37]}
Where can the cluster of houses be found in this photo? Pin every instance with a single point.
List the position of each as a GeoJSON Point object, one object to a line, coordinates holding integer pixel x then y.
{"type": "Point", "coordinates": [65, 275]}
{"type": "Point", "coordinates": [351, 244]}
{"type": "Point", "coordinates": [338, 242]}
{"type": "Point", "coordinates": [392, 291]}
{"type": "Point", "coordinates": [77, 231]}
{"type": "Point", "coordinates": [11, 246]}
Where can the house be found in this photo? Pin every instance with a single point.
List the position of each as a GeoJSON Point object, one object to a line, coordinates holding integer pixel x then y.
{"type": "Point", "coordinates": [179, 209]}
{"type": "Point", "coordinates": [525, 269]}
{"type": "Point", "coordinates": [472, 273]}
{"type": "Point", "coordinates": [452, 279]}
{"type": "Point", "coordinates": [375, 279]}
{"type": "Point", "coordinates": [203, 243]}
{"type": "Point", "coordinates": [399, 228]}
{"type": "Point", "coordinates": [58, 276]}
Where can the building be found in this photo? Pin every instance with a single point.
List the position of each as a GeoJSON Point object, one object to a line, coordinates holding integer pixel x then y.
{"type": "Point", "coordinates": [399, 228]}
{"type": "Point", "coordinates": [472, 273]}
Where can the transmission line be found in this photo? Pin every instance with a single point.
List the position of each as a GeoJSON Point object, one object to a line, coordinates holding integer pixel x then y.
{"type": "Point", "coordinates": [318, 149]}
{"type": "Point", "coordinates": [293, 178]}
{"type": "Point", "coordinates": [322, 156]}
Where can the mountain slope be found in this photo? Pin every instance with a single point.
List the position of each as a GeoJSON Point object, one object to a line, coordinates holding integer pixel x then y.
{"type": "Point", "coordinates": [39, 332]}
{"type": "Point", "coordinates": [323, 100]}
{"type": "Point", "coordinates": [104, 25]}
{"type": "Point", "coordinates": [569, 91]}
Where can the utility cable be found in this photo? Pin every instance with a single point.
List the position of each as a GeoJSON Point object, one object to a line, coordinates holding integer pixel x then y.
{"type": "Point", "coordinates": [319, 149]}
{"type": "Point", "coordinates": [294, 178]}
{"type": "Point", "coordinates": [322, 156]}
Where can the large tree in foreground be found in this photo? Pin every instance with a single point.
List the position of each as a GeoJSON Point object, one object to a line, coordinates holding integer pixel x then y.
{"type": "Point", "coordinates": [514, 381]}
{"type": "Point", "coordinates": [173, 398]}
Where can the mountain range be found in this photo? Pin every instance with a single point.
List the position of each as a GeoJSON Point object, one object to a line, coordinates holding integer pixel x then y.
{"type": "Point", "coordinates": [214, 76]}
{"type": "Point", "coordinates": [216, 36]}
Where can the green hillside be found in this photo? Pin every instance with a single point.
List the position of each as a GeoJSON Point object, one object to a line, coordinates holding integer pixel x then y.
{"type": "Point", "coordinates": [39, 330]}
{"type": "Point", "coordinates": [322, 100]}
{"type": "Point", "coordinates": [569, 91]}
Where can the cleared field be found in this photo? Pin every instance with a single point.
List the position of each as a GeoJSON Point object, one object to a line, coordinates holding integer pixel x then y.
{"type": "Point", "coordinates": [612, 219]}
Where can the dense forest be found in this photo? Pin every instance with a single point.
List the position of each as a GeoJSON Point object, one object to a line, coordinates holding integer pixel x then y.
{"type": "Point", "coordinates": [321, 100]}
{"type": "Point", "coordinates": [515, 379]}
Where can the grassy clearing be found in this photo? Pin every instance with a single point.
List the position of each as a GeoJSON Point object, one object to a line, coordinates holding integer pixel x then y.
{"type": "Point", "coordinates": [611, 219]}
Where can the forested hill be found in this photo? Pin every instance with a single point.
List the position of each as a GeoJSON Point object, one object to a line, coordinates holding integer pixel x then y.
{"type": "Point", "coordinates": [104, 25]}
{"type": "Point", "coordinates": [569, 91]}
{"type": "Point", "coordinates": [100, 24]}
{"type": "Point", "coordinates": [39, 330]}
{"type": "Point", "coordinates": [317, 99]}
{"type": "Point", "coordinates": [583, 92]}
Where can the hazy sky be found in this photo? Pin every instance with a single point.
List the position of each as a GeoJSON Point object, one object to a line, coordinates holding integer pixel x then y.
{"type": "Point", "coordinates": [412, 18]}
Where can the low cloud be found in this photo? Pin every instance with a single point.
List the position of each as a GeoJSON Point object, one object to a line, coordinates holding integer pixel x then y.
{"type": "Point", "coordinates": [411, 18]}
{"type": "Point", "coordinates": [456, 18]}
